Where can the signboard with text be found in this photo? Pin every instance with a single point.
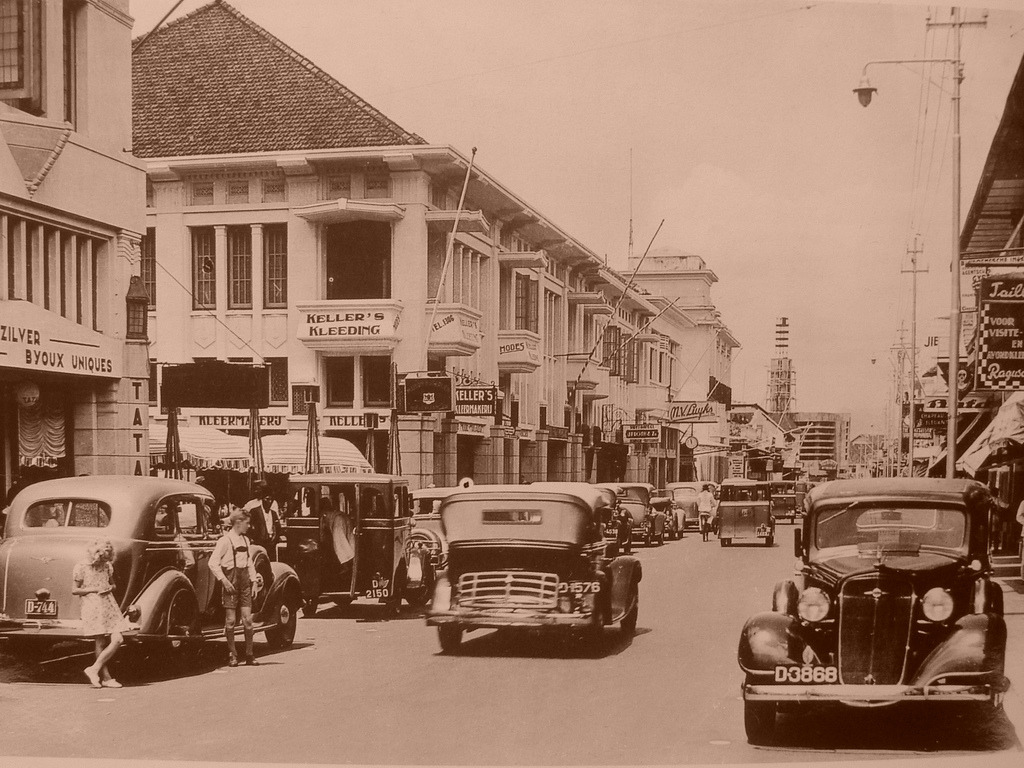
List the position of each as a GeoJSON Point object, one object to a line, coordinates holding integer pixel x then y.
{"type": "Point", "coordinates": [642, 433]}
{"type": "Point", "coordinates": [1000, 347]}
{"type": "Point", "coordinates": [692, 412]}
{"type": "Point", "coordinates": [475, 401]}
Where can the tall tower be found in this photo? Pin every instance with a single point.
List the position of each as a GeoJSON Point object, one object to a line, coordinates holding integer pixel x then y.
{"type": "Point", "coordinates": [780, 372]}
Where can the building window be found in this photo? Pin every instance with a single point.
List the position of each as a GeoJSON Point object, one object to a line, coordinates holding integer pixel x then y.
{"type": "Point", "coordinates": [152, 382]}
{"type": "Point", "coordinates": [239, 267]}
{"type": "Point", "coordinates": [150, 193]}
{"type": "Point", "coordinates": [275, 265]}
{"type": "Point", "coordinates": [610, 354]}
{"type": "Point", "coordinates": [339, 373]}
{"type": "Point", "coordinates": [148, 265]}
{"type": "Point", "coordinates": [278, 380]}
{"type": "Point", "coordinates": [378, 185]}
{"type": "Point", "coordinates": [238, 191]}
{"type": "Point", "coordinates": [202, 193]}
{"type": "Point", "coordinates": [21, 49]}
{"type": "Point", "coordinates": [339, 186]}
{"type": "Point", "coordinates": [204, 269]}
{"type": "Point", "coordinates": [376, 381]}
{"type": "Point", "coordinates": [273, 191]}
{"type": "Point", "coordinates": [70, 64]}
{"type": "Point", "coordinates": [439, 196]}
{"type": "Point", "coordinates": [527, 297]}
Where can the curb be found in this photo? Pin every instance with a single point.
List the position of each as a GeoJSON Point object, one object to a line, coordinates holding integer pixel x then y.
{"type": "Point", "coordinates": [1013, 703]}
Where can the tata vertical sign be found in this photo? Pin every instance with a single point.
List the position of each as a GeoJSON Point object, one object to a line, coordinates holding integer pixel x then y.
{"type": "Point", "coordinates": [1001, 333]}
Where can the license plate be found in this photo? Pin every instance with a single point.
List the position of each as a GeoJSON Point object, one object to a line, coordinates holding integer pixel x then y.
{"type": "Point", "coordinates": [379, 588]}
{"type": "Point", "coordinates": [806, 674]}
{"type": "Point", "coordinates": [763, 530]}
{"type": "Point", "coordinates": [40, 609]}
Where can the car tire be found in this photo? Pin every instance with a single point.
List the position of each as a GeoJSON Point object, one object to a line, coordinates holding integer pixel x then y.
{"type": "Point", "coordinates": [759, 721]}
{"type": "Point", "coordinates": [770, 541]}
{"type": "Point", "coordinates": [628, 622]}
{"type": "Point", "coordinates": [450, 638]}
{"type": "Point", "coordinates": [282, 634]}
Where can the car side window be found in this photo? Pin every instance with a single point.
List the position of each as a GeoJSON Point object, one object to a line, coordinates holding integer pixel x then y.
{"type": "Point", "coordinates": [164, 520]}
{"type": "Point", "coordinates": [188, 517]}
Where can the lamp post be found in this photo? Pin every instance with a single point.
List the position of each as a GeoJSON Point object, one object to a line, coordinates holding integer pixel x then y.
{"type": "Point", "coordinates": [864, 93]}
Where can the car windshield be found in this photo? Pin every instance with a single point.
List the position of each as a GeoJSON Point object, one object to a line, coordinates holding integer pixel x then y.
{"type": "Point", "coordinates": [745, 493]}
{"type": "Point", "coordinates": [683, 493]}
{"type": "Point", "coordinates": [892, 527]}
{"type": "Point", "coordinates": [635, 495]}
{"type": "Point", "coordinates": [67, 513]}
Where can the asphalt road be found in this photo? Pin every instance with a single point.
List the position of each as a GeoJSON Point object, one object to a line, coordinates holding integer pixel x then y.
{"type": "Point", "coordinates": [356, 688]}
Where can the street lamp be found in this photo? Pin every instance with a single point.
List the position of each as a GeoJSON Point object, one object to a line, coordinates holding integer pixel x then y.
{"type": "Point", "coordinates": [864, 93]}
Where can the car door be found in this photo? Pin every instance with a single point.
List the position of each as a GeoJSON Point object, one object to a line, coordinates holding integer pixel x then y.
{"type": "Point", "coordinates": [196, 543]}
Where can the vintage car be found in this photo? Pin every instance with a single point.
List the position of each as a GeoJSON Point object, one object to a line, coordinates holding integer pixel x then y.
{"type": "Point", "coordinates": [784, 500]}
{"type": "Point", "coordinates": [661, 503]}
{"type": "Point", "coordinates": [349, 540]}
{"type": "Point", "coordinates": [533, 557]}
{"type": "Point", "coordinates": [635, 498]}
{"type": "Point", "coordinates": [163, 532]}
{"type": "Point", "coordinates": [893, 602]}
{"type": "Point", "coordinates": [745, 511]}
{"type": "Point", "coordinates": [684, 502]}
{"type": "Point", "coordinates": [427, 537]}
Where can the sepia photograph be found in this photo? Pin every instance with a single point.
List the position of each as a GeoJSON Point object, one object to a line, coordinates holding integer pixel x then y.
{"type": "Point", "coordinates": [511, 383]}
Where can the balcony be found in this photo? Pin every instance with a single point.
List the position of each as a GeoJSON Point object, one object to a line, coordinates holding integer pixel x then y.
{"type": "Point", "coordinates": [363, 325]}
{"type": "Point", "coordinates": [469, 221]}
{"type": "Point", "coordinates": [650, 397]}
{"type": "Point", "coordinates": [518, 351]}
{"type": "Point", "coordinates": [586, 298]}
{"type": "Point", "coordinates": [523, 259]}
{"type": "Point", "coordinates": [343, 209]}
{"type": "Point", "coordinates": [595, 382]}
{"type": "Point", "coordinates": [455, 330]}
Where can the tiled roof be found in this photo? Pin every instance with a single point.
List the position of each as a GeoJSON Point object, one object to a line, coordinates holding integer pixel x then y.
{"type": "Point", "coordinates": [214, 82]}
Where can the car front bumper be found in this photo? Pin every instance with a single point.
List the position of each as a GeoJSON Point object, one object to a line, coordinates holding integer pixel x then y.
{"type": "Point", "coordinates": [854, 694]}
{"type": "Point", "coordinates": [496, 619]}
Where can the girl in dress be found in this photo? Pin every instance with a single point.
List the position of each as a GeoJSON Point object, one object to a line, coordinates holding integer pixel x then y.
{"type": "Point", "coordinates": [101, 616]}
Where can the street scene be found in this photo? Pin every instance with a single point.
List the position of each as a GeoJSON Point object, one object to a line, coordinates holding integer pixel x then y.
{"type": "Point", "coordinates": [512, 383]}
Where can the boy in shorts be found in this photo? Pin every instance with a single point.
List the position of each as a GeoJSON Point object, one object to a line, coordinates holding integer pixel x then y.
{"type": "Point", "coordinates": [233, 565]}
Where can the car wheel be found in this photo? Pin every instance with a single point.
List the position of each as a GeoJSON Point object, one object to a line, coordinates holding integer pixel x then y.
{"type": "Point", "coordinates": [770, 541]}
{"type": "Point", "coordinates": [628, 622]}
{"type": "Point", "coordinates": [181, 613]}
{"type": "Point", "coordinates": [450, 638]}
{"type": "Point", "coordinates": [282, 634]}
{"type": "Point", "coordinates": [759, 721]}
{"type": "Point", "coordinates": [393, 603]}
{"type": "Point", "coordinates": [309, 607]}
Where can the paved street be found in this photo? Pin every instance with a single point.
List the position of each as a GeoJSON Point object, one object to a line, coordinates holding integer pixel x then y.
{"type": "Point", "coordinates": [357, 689]}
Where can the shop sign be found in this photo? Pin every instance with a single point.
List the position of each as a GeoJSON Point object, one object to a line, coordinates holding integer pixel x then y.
{"type": "Point", "coordinates": [457, 328]}
{"type": "Point", "coordinates": [1000, 345]}
{"type": "Point", "coordinates": [33, 339]}
{"type": "Point", "coordinates": [356, 420]}
{"type": "Point", "coordinates": [642, 433]}
{"type": "Point", "coordinates": [558, 433]}
{"type": "Point", "coordinates": [366, 324]}
{"type": "Point", "coordinates": [519, 355]}
{"type": "Point", "coordinates": [475, 401]}
{"type": "Point", "coordinates": [692, 411]}
{"type": "Point", "coordinates": [426, 393]}
{"type": "Point", "coordinates": [736, 468]}
{"type": "Point", "coordinates": [923, 434]}
{"type": "Point", "coordinates": [511, 433]}
{"type": "Point", "coordinates": [471, 428]}
{"type": "Point", "coordinates": [237, 421]}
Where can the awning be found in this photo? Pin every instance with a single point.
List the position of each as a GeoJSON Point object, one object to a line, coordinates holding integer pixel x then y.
{"type": "Point", "coordinates": [287, 454]}
{"type": "Point", "coordinates": [966, 438]}
{"type": "Point", "coordinates": [201, 447]}
{"type": "Point", "coordinates": [1006, 430]}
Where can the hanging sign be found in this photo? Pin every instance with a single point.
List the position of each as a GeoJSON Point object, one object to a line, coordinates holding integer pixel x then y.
{"type": "Point", "coordinates": [1000, 347]}
{"type": "Point", "coordinates": [475, 401]}
{"type": "Point", "coordinates": [642, 433]}
{"type": "Point", "coordinates": [692, 412]}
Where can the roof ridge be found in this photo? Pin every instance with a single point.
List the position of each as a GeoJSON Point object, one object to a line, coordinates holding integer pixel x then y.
{"type": "Point", "coordinates": [312, 68]}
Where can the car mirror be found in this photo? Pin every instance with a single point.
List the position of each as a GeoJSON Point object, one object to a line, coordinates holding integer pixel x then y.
{"type": "Point", "coordinates": [798, 543]}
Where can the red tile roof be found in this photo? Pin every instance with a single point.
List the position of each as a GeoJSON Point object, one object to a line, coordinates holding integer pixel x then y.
{"type": "Point", "coordinates": [214, 82]}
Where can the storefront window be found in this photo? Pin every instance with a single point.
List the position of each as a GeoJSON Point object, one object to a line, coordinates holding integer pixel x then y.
{"type": "Point", "coordinates": [340, 375]}
{"type": "Point", "coordinates": [376, 381]}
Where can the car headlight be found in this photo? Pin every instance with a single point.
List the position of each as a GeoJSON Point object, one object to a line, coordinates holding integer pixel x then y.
{"type": "Point", "coordinates": [813, 605]}
{"type": "Point", "coordinates": [937, 604]}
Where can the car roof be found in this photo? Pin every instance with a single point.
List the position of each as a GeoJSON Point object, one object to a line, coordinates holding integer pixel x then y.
{"type": "Point", "coordinates": [743, 481]}
{"type": "Point", "coordinates": [113, 488]}
{"type": "Point", "coordinates": [583, 493]}
{"type": "Point", "coordinates": [433, 493]}
{"type": "Point", "coordinates": [328, 478]}
{"type": "Point", "coordinates": [689, 484]}
{"type": "Point", "coordinates": [939, 489]}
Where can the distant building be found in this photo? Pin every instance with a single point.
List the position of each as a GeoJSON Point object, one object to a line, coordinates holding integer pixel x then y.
{"type": "Point", "coordinates": [824, 446]}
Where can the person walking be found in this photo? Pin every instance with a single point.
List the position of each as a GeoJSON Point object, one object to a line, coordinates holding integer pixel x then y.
{"type": "Point", "coordinates": [232, 564]}
{"type": "Point", "coordinates": [705, 510]}
{"type": "Point", "coordinates": [93, 581]}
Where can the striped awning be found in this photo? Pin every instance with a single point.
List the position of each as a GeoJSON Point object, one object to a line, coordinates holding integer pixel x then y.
{"type": "Point", "coordinates": [287, 454]}
{"type": "Point", "coordinates": [201, 447]}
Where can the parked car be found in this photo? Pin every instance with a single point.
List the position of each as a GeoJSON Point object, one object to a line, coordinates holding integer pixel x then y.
{"type": "Point", "coordinates": [427, 540]}
{"type": "Point", "coordinates": [661, 503]}
{"type": "Point", "coordinates": [635, 498]}
{"type": "Point", "coordinates": [784, 500]}
{"type": "Point", "coordinates": [531, 556]}
{"type": "Point", "coordinates": [163, 532]}
{"type": "Point", "coordinates": [349, 541]}
{"type": "Point", "coordinates": [893, 602]}
{"type": "Point", "coordinates": [684, 502]}
{"type": "Point", "coordinates": [745, 511]}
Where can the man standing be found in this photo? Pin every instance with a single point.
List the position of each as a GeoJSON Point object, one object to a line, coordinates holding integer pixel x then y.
{"type": "Point", "coordinates": [264, 517]}
{"type": "Point", "coordinates": [705, 510]}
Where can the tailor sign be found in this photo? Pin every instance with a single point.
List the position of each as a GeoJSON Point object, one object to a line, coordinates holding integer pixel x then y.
{"type": "Point", "coordinates": [33, 339]}
{"type": "Point", "coordinates": [1000, 347]}
{"type": "Point", "coordinates": [328, 326]}
{"type": "Point", "coordinates": [475, 401]}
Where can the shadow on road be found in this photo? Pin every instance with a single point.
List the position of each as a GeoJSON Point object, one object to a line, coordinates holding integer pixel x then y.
{"type": "Point", "coordinates": [941, 727]}
{"type": "Point", "coordinates": [525, 643]}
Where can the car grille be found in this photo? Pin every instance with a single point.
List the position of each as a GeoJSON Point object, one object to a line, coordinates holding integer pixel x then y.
{"type": "Point", "coordinates": [874, 628]}
{"type": "Point", "coordinates": [508, 589]}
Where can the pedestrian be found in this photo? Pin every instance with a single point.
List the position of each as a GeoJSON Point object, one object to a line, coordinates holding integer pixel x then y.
{"type": "Point", "coordinates": [264, 516]}
{"type": "Point", "coordinates": [705, 510]}
{"type": "Point", "coordinates": [101, 616]}
{"type": "Point", "coordinates": [232, 564]}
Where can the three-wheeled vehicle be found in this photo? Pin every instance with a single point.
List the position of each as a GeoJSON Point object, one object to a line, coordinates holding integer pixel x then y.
{"type": "Point", "coordinates": [784, 501]}
{"type": "Point", "coordinates": [163, 533]}
{"type": "Point", "coordinates": [894, 602]}
{"type": "Point", "coordinates": [635, 498]}
{"type": "Point", "coordinates": [745, 511]}
{"type": "Point", "coordinates": [348, 538]}
{"type": "Point", "coordinates": [531, 556]}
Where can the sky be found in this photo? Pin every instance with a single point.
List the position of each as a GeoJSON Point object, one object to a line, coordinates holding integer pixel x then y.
{"type": "Point", "coordinates": [734, 122]}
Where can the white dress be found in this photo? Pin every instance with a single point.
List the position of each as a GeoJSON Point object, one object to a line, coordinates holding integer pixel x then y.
{"type": "Point", "coordinates": [100, 613]}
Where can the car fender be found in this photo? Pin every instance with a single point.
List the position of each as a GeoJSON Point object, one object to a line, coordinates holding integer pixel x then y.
{"type": "Point", "coordinates": [285, 586]}
{"type": "Point", "coordinates": [977, 645]}
{"type": "Point", "coordinates": [623, 572]}
{"type": "Point", "coordinates": [154, 599]}
{"type": "Point", "coordinates": [767, 640]}
{"type": "Point", "coordinates": [785, 598]}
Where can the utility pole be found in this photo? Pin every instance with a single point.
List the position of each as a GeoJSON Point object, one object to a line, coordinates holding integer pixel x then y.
{"type": "Point", "coordinates": [914, 271]}
{"type": "Point", "coordinates": [901, 353]}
